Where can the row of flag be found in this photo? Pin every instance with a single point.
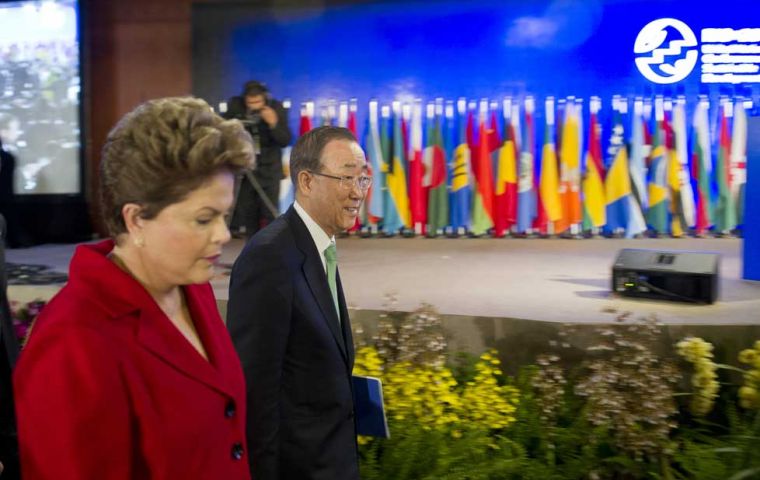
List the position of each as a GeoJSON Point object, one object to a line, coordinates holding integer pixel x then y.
{"type": "Point", "coordinates": [480, 167]}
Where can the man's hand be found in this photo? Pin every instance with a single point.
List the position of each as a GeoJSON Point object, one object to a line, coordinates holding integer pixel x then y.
{"type": "Point", "coordinates": [1, 468]}
{"type": "Point", "coordinates": [269, 115]}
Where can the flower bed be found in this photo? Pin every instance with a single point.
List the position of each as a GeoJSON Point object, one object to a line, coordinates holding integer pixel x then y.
{"type": "Point", "coordinates": [624, 411]}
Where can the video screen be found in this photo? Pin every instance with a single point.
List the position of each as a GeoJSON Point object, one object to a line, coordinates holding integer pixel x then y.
{"type": "Point", "coordinates": [40, 85]}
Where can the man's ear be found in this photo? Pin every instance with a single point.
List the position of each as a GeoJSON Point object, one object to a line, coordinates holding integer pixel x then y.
{"type": "Point", "coordinates": [305, 182]}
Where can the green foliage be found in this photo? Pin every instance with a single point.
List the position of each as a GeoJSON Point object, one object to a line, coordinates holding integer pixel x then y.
{"type": "Point", "coordinates": [421, 454]}
{"type": "Point", "coordinates": [622, 412]}
{"type": "Point", "coordinates": [462, 366]}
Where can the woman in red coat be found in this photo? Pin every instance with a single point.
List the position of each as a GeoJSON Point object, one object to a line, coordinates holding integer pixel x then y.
{"type": "Point", "coordinates": [129, 372]}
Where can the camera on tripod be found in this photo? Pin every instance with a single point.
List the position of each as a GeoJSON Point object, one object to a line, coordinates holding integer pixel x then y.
{"type": "Point", "coordinates": [251, 121]}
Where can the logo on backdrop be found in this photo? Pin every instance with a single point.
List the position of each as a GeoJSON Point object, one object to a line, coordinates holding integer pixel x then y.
{"type": "Point", "coordinates": [666, 51]}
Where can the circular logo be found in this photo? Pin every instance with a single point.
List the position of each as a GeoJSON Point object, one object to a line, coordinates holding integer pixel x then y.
{"type": "Point", "coordinates": [666, 50]}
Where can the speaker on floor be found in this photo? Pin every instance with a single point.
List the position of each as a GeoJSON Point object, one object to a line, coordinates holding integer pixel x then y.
{"type": "Point", "coordinates": [677, 276]}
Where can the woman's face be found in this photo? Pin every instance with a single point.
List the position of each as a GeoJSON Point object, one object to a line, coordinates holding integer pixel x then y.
{"type": "Point", "coordinates": [184, 241]}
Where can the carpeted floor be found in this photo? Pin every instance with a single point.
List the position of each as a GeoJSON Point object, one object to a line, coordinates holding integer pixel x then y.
{"type": "Point", "coordinates": [553, 280]}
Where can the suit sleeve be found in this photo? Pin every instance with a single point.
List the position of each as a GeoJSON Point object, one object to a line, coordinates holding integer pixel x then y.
{"type": "Point", "coordinates": [74, 418]}
{"type": "Point", "coordinates": [259, 320]}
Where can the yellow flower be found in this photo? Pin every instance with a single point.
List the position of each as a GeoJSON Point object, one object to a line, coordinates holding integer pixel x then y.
{"type": "Point", "coordinates": [748, 356]}
{"type": "Point", "coordinates": [752, 377]}
{"type": "Point", "coordinates": [748, 393]}
{"type": "Point", "coordinates": [699, 352]}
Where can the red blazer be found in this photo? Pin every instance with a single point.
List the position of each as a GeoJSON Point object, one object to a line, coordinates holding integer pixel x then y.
{"type": "Point", "coordinates": [107, 388]}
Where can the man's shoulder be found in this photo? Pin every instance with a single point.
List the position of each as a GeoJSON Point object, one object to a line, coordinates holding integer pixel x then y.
{"type": "Point", "coordinates": [274, 248]}
{"type": "Point", "coordinates": [276, 238]}
{"type": "Point", "coordinates": [276, 233]}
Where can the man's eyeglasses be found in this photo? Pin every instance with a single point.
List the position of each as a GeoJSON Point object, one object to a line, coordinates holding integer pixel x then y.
{"type": "Point", "coordinates": [347, 182]}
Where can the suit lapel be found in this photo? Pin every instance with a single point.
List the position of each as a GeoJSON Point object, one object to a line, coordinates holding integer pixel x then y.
{"type": "Point", "coordinates": [122, 297]}
{"type": "Point", "coordinates": [316, 278]}
{"type": "Point", "coordinates": [157, 334]}
{"type": "Point", "coordinates": [345, 324]}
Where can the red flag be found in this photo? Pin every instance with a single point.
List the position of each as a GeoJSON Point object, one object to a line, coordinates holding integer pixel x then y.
{"type": "Point", "coordinates": [484, 168]}
{"type": "Point", "coordinates": [305, 124]}
{"type": "Point", "coordinates": [351, 125]}
{"type": "Point", "coordinates": [505, 197]}
{"type": "Point", "coordinates": [417, 192]}
{"type": "Point", "coordinates": [352, 122]}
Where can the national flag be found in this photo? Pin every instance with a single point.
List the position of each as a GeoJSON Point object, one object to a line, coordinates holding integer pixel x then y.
{"type": "Point", "coordinates": [657, 213]}
{"type": "Point", "coordinates": [505, 196]}
{"type": "Point", "coordinates": [347, 119]}
{"type": "Point", "coordinates": [482, 207]}
{"type": "Point", "coordinates": [617, 184]}
{"type": "Point", "coordinates": [351, 122]}
{"type": "Point", "coordinates": [342, 120]}
{"type": "Point", "coordinates": [622, 209]}
{"type": "Point", "coordinates": [701, 168]}
{"type": "Point", "coordinates": [307, 110]}
{"type": "Point", "coordinates": [738, 176]}
{"type": "Point", "coordinates": [435, 175]}
{"type": "Point", "coordinates": [461, 172]}
{"type": "Point", "coordinates": [471, 133]}
{"type": "Point", "coordinates": [287, 189]}
{"type": "Point", "coordinates": [594, 205]}
{"type": "Point", "coordinates": [686, 193]}
{"type": "Point", "coordinates": [417, 194]}
{"type": "Point", "coordinates": [549, 183]}
{"type": "Point", "coordinates": [397, 215]}
{"type": "Point", "coordinates": [725, 209]}
{"type": "Point", "coordinates": [570, 173]}
{"type": "Point", "coordinates": [638, 157]}
{"type": "Point", "coordinates": [328, 114]}
{"type": "Point", "coordinates": [526, 191]}
{"type": "Point", "coordinates": [678, 223]}
{"type": "Point", "coordinates": [373, 148]}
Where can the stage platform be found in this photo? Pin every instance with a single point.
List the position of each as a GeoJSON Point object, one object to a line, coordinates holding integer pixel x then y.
{"type": "Point", "coordinates": [550, 280]}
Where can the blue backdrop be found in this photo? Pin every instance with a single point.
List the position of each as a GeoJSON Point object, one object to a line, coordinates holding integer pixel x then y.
{"type": "Point", "coordinates": [394, 50]}
{"type": "Point", "coordinates": [751, 244]}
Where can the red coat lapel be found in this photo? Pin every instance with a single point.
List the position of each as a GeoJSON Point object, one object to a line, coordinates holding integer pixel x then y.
{"type": "Point", "coordinates": [125, 297]}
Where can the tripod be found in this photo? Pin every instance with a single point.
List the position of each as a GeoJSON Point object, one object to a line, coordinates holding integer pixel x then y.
{"type": "Point", "coordinates": [258, 188]}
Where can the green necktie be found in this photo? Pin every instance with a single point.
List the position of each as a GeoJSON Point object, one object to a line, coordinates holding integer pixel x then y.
{"type": "Point", "coordinates": [331, 258]}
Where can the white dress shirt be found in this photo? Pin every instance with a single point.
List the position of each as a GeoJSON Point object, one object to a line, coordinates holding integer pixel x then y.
{"type": "Point", "coordinates": [321, 240]}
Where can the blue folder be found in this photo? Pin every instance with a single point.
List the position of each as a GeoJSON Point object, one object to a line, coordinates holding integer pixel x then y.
{"type": "Point", "coordinates": [369, 408]}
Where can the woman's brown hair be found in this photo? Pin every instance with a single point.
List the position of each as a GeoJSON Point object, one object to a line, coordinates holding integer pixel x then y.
{"type": "Point", "coordinates": [163, 150]}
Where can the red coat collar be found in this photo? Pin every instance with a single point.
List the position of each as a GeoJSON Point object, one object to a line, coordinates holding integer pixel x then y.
{"type": "Point", "coordinates": [118, 294]}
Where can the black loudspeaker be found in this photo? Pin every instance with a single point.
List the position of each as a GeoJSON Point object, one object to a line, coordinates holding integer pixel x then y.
{"type": "Point", "coordinates": [679, 276]}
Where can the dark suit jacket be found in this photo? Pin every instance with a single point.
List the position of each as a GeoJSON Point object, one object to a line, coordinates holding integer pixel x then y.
{"type": "Point", "coordinates": [296, 356]}
{"type": "Point", "coordinates": [107, 388]}
{"type": "Point", "coordinates": [8, 353]}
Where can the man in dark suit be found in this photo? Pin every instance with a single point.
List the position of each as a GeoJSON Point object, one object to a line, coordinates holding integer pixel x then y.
{"type": "Point", "coordinates": [8, 353]}
{"type": "Point", "coordinates": [267, 121]}
{"type": "Point", "coordinates": [288, 319]}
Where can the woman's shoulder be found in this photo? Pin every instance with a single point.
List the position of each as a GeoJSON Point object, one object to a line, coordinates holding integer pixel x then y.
{"type": "Point", "coordinates": [66, 334]}
{"type": "Point", "coordinates": [69, 314]}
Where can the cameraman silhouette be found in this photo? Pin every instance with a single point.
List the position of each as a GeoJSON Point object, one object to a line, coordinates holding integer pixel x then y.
{"type": "Point", "coordinates": [267, 122]}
